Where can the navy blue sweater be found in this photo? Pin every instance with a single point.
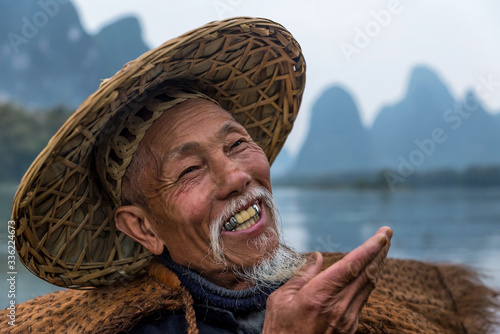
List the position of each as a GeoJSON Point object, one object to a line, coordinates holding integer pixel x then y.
{"type": "Point", "coordinates": [218, 310]}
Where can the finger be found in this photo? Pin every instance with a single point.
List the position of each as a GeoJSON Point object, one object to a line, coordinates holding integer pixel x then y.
{"type": "Point", "coordinates": [359, 301]}
{"type": "Point", "coordinates": [363, 286]}
{"type": "Point", "coordinates": [335, 278]}
{"type": "Point", "coordinates": [357, 260]}
{"type": "Point", "coordinates": [305, 273]}
{"type": "Point", "coordinates": [359, 290]}
{"type": "Point", "coordinates": [354, 296]}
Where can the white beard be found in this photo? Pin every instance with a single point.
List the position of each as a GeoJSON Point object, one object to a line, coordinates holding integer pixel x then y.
{"type": "Point", "coordinates": [276, 267]}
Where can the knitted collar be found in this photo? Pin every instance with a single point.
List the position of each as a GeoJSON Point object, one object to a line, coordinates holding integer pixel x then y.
{"type": "Point", "coordinates": [210, 294]}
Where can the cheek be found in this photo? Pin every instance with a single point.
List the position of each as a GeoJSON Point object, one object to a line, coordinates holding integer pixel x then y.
{"type": "Point", "coordinates": [259, 167]}
{"type": "Point", "coordinates": [191, 207]}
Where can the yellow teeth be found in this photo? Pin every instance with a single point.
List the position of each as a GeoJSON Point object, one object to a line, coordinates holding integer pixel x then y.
{"type": "Point", "coordinates": [245, 215]}
{"type": "Point", "coordinates": [243, 219]}
{"type": "Point", "coordinates": [239, 217]}
{"type": "Point", "coordinates": [251, 211]}
{"type": "Point", "coordinates": [246, 225]}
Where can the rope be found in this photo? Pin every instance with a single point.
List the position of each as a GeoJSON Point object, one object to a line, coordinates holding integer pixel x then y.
{"type": "Point", "coordinates": [187, 300]}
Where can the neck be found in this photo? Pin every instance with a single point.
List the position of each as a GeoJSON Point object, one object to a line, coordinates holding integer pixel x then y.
{"type": "Point", "coordinates": [228, 280]}
{"type": "Point", "coordinates": [207, 292]}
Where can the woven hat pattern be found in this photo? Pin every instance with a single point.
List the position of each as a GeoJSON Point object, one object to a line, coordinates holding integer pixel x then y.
{"type": "Point", "coordinates": [65, 230]}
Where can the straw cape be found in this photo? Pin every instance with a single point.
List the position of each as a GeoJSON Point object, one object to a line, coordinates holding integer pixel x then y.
{"type": "Point", "coordinates": [411, 297]}
{"type": "Point", "coordinates": [64, 207]}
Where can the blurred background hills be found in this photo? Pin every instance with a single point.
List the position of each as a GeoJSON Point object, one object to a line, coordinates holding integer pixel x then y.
{"type": "Point", "coordinates": [427, 132]}
{"type": "Point", "coordinates": [44, 64]}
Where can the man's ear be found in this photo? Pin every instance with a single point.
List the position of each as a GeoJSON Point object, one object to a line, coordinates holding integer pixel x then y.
{"type": "Point", "coordinates": [135, 222]}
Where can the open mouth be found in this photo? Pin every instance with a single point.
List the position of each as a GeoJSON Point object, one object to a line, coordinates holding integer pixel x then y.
{"type": "Point", "coordinates": [244, 219]}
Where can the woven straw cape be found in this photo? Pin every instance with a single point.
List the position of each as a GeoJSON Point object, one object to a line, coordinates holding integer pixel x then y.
{"type": "Point", "coordinates": [64, 206]}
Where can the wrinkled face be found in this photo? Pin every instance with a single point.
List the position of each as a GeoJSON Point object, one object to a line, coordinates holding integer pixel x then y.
{"type": "Point", "coordinates": [210, 172]}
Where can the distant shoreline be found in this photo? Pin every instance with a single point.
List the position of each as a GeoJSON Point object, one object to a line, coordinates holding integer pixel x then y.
{"type": "Point", "coordinates": [476, 176]}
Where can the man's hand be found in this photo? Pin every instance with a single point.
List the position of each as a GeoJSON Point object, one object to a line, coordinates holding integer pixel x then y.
{"type": "Point", "coordinates": [330, 301]}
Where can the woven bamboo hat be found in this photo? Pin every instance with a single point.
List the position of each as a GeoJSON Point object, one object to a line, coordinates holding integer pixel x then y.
{"type": "Point", "coordinates": [64, 207]}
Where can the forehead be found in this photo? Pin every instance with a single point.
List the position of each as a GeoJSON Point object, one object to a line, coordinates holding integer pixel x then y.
{"type": "Point", "coordinates": [194, 117]}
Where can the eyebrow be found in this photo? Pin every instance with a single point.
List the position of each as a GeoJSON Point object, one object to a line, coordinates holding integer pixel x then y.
{"type": "Point", "coordinates": [183, 149]}
{"type": "Point", "coordinates": [229, 127]}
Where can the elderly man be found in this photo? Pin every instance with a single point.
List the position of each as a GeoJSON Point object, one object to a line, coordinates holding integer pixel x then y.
{"type": "Point", "coordinates": [165, 170]}
{"type": "Point", "coordinates": [207, 201]}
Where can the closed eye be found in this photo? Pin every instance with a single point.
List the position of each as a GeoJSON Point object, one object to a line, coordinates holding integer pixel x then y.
{"type": "Point", "coordinates": [187, 171]}
{"type": "Point", "coordinates": [238, 143]}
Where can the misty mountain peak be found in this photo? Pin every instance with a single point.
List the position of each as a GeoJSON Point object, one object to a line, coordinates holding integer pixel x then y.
{"type": "Point", "coordinates": [468, 131]}
{"type": "Point", "coordinates": [425, 82]}
{"type": "Point", "coordinates": [337, 140]}
{"type": "Point", "coordinates": [127, 27]}
{"type": "Point", "coordinates": [52, 59]}
{"type": "Point", "coordinates": [121, 41]}
{"type": "Point", "coordinates": [335, 110]}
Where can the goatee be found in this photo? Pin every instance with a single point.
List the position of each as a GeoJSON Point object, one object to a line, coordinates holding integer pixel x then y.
{"type": "Point", "coordinates": [274, 268]}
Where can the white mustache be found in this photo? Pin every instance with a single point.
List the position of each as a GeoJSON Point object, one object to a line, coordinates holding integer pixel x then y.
{"type": "Point", "coordinates": [233, 206]}
{"type": "Point", "coordinates": [236, 204]}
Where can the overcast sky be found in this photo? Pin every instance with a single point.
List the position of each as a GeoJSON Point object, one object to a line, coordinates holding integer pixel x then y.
{"type": "Point", "coordinates": [369, 47]}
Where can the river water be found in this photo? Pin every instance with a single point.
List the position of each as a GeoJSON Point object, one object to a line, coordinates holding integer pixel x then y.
{"type": "Point", "coordinates": [460, 225]}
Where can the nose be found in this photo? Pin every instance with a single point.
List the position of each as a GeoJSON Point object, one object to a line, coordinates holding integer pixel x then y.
{"type": "Point", "coordinates": [231, 178]}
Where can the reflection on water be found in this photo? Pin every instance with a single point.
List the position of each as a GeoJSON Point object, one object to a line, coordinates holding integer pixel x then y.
{"type": "Point", "coordinates": [453, 225]}
{"type": "Point", "coordinates": [293, 219]}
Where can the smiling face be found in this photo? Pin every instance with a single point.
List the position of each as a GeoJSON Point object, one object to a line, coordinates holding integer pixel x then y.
{"type": "Point", "coordinates": [207, 171]}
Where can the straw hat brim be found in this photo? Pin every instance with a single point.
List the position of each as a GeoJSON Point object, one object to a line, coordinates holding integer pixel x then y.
{"type": "Point", "coordinates": [65, 230]}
